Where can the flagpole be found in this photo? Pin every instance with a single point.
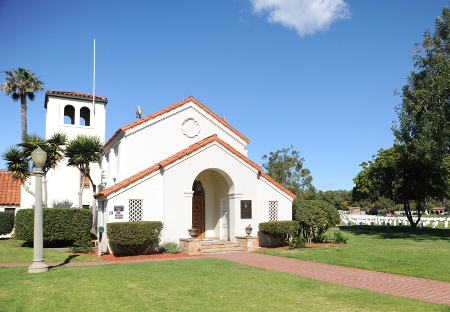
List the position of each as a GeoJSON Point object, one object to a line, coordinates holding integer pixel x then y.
{"type": "Point", "coordinates": [93, 83]}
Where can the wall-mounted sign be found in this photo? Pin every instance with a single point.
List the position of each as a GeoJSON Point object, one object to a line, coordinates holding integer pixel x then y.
{"type": "Point", "coordinates": [246, 209]}
{"type": "Point", "coordinates": [118, 212]}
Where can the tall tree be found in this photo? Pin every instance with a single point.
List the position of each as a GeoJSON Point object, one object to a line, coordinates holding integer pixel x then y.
{"type": "Point", "coordinates": [286, 167]}
{"type": "Point", "coordinates": [81, 152]}
{"type": "Point", "coordinates": [416, 168]}
{"type": "Point", "coordinates": [21, 84]}
{"type": "Point", "coordinates": [18, 158]}
{"type": "Point", "coordinates": [403, 178]}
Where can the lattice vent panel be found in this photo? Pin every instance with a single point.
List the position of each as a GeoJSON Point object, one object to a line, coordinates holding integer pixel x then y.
{"type": "Point", "coordinates": [135, 209]}
{"type": "Point", "coordinates": [273, 211]}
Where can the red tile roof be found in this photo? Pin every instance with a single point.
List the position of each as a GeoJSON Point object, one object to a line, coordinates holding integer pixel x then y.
{"type": "Point", "coordinates": [73, 94]}
{"type": "Point", "coordinates": [172, 107]}
{"type": "Point", "coordinates": [9, 189]}
{"type": "Point", "coordinates": [182, 154]}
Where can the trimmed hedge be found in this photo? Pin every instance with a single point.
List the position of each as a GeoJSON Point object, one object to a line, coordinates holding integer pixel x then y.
{"type": "Point", "coordinates": [6, 222]}
{"type": "Point", "coordinates": [60, 226]}
{"type": "Point", "coordinates": [136, 237]}
{"type": "Point", "coordinates": [282, 231]}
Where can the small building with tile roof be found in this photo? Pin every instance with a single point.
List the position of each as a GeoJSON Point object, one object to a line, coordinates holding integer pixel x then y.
{"type": "Point", "coordinates": [187, 167]}
{"type": "Point", "coordinates": [9, 191]}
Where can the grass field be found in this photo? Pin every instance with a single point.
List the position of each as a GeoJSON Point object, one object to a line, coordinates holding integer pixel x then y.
{"type": "Point", "coordinates": [420, 253]}
{"type": "Point", "coordinates": [219, 285]}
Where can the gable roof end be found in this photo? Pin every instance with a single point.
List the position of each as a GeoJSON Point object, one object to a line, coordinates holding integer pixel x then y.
{"type": "Point", "coordinates": [170, 108]}
{"type": "Point", "coordinates": [183, 153]}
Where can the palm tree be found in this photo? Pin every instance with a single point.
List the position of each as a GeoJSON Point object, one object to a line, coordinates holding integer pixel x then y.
{"type": "Point", "coordinates": [18, 158]}
{"type": "Point", "coordinates": [81, 152]}
{"type": "Point", "coordinates": [21, 84]}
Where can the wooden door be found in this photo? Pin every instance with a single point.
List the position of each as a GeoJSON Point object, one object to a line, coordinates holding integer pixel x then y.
{"type": "Point", "coordinates": [198, 214]}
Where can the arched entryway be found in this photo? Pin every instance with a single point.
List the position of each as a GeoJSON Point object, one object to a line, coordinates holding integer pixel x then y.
{"type": "Point", "coordinates": [210, 204]}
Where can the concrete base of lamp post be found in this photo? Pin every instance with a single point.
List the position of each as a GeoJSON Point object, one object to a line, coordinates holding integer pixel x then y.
{"type": "Point", "coordinates": [38, 267]}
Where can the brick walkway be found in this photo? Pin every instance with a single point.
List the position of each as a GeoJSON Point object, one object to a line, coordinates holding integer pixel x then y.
{"type": "Point", "coordinates": [393, 284]}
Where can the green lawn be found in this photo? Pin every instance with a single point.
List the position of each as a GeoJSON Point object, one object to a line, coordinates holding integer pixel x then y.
{"type": "Point", "coordinates": [421, 253]}
{"type": "Point", "coordinates": [219, 285]}
{"type": "Point", "coordinates": [185, 285]}
{"type": "Point", "coordinates": [13, 251]}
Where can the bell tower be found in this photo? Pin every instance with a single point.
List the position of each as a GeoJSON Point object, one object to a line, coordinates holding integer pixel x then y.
{"type": "Point", "coordinates": [75, 113]}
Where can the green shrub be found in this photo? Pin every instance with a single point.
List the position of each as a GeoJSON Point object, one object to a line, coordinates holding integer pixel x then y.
{"type": "Point", "coordinates": [170, 247]}
{"type": "Point", "coordinates": [6, 222]}
{"type": "Point", "coordinates": [282, 231]}
{"type": "Point", "coordinates": [297, 241]}
{"type": "Point", "coordinates": [339, 238]}
{"type": "Point", "coordinates": [315, 218]}
{"type": "Point", "coordinates": [60, 226]}
{"type": "Point", "coordinates": [62, 203]}
{"type": "Point", "coordinates": [136, 237]}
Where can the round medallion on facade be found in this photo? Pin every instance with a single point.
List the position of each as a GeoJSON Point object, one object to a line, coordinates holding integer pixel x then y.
{"type": "Point", "coordinates": [190, 128]}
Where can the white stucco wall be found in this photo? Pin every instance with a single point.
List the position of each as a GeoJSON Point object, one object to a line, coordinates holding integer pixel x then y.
{"type": "Point", "coordinates": [222, 174]}
{"type": "Point", "coordinates": [55, 118]}
{"type": "Point", "coordinates": [165, 135]}
{"type": "Point", "coordinates": [64, 182]}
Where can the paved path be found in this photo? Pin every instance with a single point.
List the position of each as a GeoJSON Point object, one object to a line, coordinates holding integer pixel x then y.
{"type": "Point", "coordinates": [393, 284]}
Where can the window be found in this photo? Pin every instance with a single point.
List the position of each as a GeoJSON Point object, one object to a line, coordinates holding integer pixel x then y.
{"type": "Point", "coordinates": [69, 115]}
{"type": "Point", "coordinates": [135, 209]}
{"type": "Point", "coordinates": [273, 211]}
{"type": "Point", "coordinates": [85, 116]}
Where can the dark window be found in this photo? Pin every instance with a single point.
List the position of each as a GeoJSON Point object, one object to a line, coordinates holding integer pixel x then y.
{"type": "Point", "coordinates": [85, 116]}
{"type": "Point", "coordinates": [69, 115]}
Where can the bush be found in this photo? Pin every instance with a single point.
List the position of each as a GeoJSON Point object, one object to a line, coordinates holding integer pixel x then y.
{"type": "Point", "coordinates": [339, 238]}
{"type": "Point", "coordinates": [136, 237]}
{"type": "Point", "coordinates": [315, 218]}
{"type": "Point", "coordinates": [283, 231]}
{"type": "Point", "coordinates": [6, 222]}
{"type": "Point", "coordinates": [297, 241]}
{"type": "Point", "coordinates": [63, 203]}
{"type": "Point", "coordinates": [170, 247]}
{"type": "Point", "coordinates": [60, 226]}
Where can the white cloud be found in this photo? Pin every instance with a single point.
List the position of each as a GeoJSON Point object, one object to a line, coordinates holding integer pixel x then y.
{"type": "Point", "coordinates": [306, 16]}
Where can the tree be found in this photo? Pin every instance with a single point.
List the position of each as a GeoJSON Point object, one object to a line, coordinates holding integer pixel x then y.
{"type": "Point", "coordinates": [402, 177]}
{"type": "Point", "coordinates": [18, 158]}
{"type": "Point", "coordinates": [81, 152]}
{"type": "Point", "coordinates": [416, 168]}
{"type": "Point", "coordinates": [21, 84]}
{"type": "Point", "coordinates": [339, 199]}
{"type": "Point", "coordinates": [286, 167]}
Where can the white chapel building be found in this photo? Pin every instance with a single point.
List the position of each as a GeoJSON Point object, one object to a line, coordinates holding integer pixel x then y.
{"type": "Point", "coordinates": [183, 166]}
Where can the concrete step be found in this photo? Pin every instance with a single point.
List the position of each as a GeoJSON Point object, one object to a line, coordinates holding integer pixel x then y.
{"type": "Point", "coordinates": [220, 246]}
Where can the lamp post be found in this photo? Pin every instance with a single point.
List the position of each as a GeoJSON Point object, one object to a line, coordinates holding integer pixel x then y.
{"type": "Point", "coordinates": [38, 156]}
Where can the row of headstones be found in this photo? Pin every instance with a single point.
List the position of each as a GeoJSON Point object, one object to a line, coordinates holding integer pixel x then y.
{"type": "Point", "coordinates": [388, 221]}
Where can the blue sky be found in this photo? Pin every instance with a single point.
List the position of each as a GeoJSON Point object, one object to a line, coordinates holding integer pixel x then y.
{"type": "Point", "coordinates": [318, 75]}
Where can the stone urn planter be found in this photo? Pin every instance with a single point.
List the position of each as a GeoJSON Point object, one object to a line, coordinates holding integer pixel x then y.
{"type": "Point", "coordinates": [193, 232]}
{"type": "Point", "coordinates": [248, 230]}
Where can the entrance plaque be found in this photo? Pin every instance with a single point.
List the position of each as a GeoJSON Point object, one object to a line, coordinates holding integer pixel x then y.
{"type": "Point", "coordinates": [246, 209]}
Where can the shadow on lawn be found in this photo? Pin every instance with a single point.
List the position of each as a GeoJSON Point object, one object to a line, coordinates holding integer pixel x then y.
{"type": "Point", "coordinates": [68, 259]}
{"type": "Point", "coordinates": [392, 232]}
